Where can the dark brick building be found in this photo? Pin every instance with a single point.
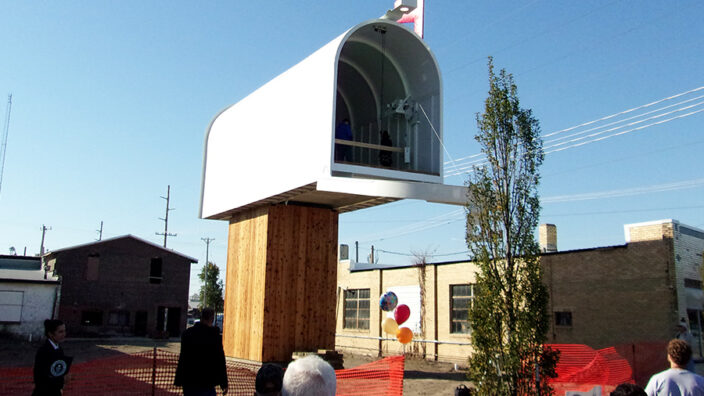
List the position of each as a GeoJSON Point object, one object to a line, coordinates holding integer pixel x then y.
{"type": "Point", "coordinates": [122, 286]}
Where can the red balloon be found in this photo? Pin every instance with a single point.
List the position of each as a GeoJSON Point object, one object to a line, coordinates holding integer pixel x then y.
{"type": "Point", "coordinates": [402, 313]}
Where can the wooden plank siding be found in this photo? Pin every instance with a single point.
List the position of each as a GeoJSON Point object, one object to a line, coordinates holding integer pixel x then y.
{"type": "Point", "coordinates": [282, 297]}
{"type": "Point", "coordinates": [244, 290]}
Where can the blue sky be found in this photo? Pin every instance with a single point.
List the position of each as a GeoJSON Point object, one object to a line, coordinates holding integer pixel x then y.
{"type": "Point", "coordinates": [111, 101]}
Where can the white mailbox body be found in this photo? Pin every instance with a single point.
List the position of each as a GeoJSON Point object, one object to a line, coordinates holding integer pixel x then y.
{"type": "Point", "coordinates": [279, 143]}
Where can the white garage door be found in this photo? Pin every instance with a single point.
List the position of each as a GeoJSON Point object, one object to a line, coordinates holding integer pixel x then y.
{"type": "Point", "coordinates": [11, 306]}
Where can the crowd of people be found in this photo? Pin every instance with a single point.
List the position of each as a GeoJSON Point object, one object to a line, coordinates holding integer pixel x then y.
{"type": "Point", "coordinates": [201, 367]}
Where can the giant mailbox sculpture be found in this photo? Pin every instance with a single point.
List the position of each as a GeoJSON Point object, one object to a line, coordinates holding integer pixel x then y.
{"type": "Point", "coordinates": [271, 170]}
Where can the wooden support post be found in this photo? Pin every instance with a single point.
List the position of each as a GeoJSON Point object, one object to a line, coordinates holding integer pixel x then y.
{"type": "Point", "coordinates": [281, 282]}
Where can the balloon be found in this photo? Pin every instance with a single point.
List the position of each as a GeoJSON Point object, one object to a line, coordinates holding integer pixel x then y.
{"type": "Point", "coordinates": [389, 325]}
{"type": "Point", "coordinates": [402, 313]}
{"type": "Point", "coordinates": [388, 301]}
{"type": "Point", "coordinates": [404, 335]}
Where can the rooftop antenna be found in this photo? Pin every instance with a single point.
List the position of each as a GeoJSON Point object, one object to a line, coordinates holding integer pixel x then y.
{"type": "Point", "coordinates": [5, 132]}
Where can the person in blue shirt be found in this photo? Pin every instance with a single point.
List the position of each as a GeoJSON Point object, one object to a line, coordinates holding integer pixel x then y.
{"type": "Point", "coordinates": [343, 131]}
{"type": "Point", "coordinates": [677, 381]}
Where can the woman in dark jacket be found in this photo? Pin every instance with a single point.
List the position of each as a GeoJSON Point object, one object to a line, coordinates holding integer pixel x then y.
{"type": "Point", "coordinates": [50, 363]}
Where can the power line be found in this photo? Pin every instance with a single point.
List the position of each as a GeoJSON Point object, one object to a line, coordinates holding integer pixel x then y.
{"type": "Point", "coordinates": [621, 211]}
{"type": "Point", "coordinates": [628, 125]}
{"type": "Point", "coordinates": [624, 132]}
{"type": "Point", "coordinates": [427, 255]}
{"type": "Point", "coordinates": [451, 217]}
{"type": "Point", "coordinates": [689, 144]}
{"type": "Point", "coordinates": [681, 185]}
{"type": "Point", "coordinates": [594, 138]}
{"type": "Point", "coordinates": [460, 165]}
{"type": "Point", "coordinates": [558, 215]}
{"type": "Point", "coordinates": [494, 21]}
{"type": "Point", "coordinates": [529, 38]}
{"type": "Point", "coordinates": [625, 111]}
{"type": "Point", "coordinates": [432, 222]}
{"type": "Point", "coordinates": [630, 118]}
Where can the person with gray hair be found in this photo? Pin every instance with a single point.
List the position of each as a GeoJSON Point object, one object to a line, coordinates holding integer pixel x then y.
{"type": "Point", "coordinates": [309, 376]}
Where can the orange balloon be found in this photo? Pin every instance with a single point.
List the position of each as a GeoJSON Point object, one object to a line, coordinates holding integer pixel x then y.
{"type": "Point", "coordinates": [404, 335]}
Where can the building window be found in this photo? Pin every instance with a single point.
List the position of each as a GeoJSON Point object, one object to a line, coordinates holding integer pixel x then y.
{"type": "Point", "coordinates": [563, 318]}
{"type": "Point", "coordinates": [460, 298]}
{"type": "Point", "coordinates": [692, 283]}
{"type": "Point", "coordinates": [92, 318]}
{"type": "Point", "coordinates": [155, 270]}
{"type": "Point", "coordinates": [119, 318]}
{"type": "Point", "coordinates": [92, 267]}
{"type": "Point", "coordinates": [356, 309]}
{"type": "Point", "coordinates": [11, 306]}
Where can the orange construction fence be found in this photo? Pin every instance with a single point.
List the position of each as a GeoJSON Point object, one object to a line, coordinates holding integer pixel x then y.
{"type": "Point", "coordinates": [581, 368]}
{"type": "Point", "coordinates": [152, 373]}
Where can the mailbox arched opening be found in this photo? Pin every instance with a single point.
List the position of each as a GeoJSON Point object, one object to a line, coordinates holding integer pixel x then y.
{"type": "Point", "coordinates": [388, 80]}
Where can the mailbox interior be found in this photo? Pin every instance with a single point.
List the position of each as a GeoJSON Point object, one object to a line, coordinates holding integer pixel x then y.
{"type": "Point", "coordinates": [387, 79]}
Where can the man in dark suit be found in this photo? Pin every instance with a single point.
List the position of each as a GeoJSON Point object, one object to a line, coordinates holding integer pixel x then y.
{"type": "Point", "coordinates": [201, 364]}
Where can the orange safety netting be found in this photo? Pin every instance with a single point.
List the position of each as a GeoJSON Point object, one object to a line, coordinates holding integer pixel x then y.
{"type": "Point", "coordinates": [581, 368]}
{"type": "Point", "coordinates": [383, 377]}
{"type": "Point", "coordinates": [152, 373]}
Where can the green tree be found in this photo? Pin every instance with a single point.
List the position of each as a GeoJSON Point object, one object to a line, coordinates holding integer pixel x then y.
{"type": "Point", "coordinates": [508, 316]}
{"type": "Point", "coordinates": [211, 289]}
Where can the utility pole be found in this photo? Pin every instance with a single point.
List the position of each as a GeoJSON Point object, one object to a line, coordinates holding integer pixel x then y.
{"type": "Point", "coordinates": [207, 247]}
{"type": "Point", "coordinates": [44, 230]}
{"type": "Point", "coordinates": [41, 249]}
{"type": "Point", "coordinates": [166, 218]}
{"type": "Point", "coordinates": [100, 231]}
{"type": "Point", "coordinates": [3, 137]}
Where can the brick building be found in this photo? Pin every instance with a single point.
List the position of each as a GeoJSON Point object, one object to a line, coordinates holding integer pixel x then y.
{"type": "Point", "coordinates": [630, 293]}
{"type": "Point", "coordinates": [124, 285]}
{"type": "Point", "coordinates": [601, 297]}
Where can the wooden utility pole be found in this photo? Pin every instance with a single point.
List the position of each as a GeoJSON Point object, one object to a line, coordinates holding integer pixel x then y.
{"type": "Point", "coordinates": [166, 218]}
{"type": "Point", "coordinates": [41, 249]}
{"type": "Point", "coordinates": [207, 247]}
{"type": "Point", "coordinates": [44, 230]}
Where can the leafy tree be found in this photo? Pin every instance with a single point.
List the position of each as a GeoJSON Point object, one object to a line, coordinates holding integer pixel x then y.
{"type": "Point", "coordinates": [211, 290]}
{"type": "Point", "coordinates": [508, 316]}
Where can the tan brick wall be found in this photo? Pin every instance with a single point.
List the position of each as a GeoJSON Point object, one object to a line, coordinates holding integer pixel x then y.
{"type": "Point", "coordinates": [650, 232]}
{"type": "Point", "coordinates": [378, 281]}
{"type": "Point", "coordinates": [547, 237]}
{"type": "Point", "coordinates": [358, 280]}
{"type": "Point", "coordinates": [617, 295]}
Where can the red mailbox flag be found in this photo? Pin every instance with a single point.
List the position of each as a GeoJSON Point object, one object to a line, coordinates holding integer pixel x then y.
{"type": "Point", "coordinates": [415, 17]}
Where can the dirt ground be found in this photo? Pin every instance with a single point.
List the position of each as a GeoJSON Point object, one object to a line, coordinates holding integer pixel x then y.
{"type": "Point", "coordinates": [420, 377]}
